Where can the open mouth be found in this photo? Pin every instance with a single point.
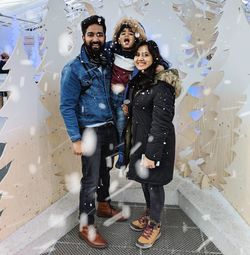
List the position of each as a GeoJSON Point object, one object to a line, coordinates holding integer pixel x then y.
{"type": "Point", "coordinates": [126, 41]}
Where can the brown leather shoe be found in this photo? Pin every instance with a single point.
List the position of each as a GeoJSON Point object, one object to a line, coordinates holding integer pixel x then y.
{"type": "Point", "coordinates": [92, 237]}
{"type": "Point", "coordinates": [106, 210]}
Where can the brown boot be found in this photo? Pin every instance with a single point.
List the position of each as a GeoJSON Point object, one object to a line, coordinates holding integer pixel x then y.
{"type": "Point", "coordinates": [106, 210]}
{"type": "Point", "coordinates": [150, 235]}
{"type": "Point", "coordinates": [140, 223]}
{"type": "Point", "coordinates": [92, 237]}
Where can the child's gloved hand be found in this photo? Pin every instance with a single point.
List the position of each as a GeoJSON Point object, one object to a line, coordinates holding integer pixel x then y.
{"type": "Point", "coordinates": [159, 68]}
{"type": "Point", "coordinates": [125, 107]}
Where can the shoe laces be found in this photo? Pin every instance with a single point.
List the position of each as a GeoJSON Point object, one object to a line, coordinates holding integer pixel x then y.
{"type": "Point", "coordinates": [143, 219]}
{"type": "Point", "coordinates": [148, 231]}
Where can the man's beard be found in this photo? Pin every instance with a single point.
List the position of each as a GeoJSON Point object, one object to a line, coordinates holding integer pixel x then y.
{"type": "Point", "coordinates": [94, 52]}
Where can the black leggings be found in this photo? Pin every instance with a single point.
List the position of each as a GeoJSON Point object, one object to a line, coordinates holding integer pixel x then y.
{"type": "Point", "coordinates": [154, 196]}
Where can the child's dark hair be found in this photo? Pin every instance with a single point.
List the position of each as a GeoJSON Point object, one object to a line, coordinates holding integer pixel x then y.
{"type": "Point", "coordinates": [132, 24]}
{"type": "Point", "coordinates": [123, 26]}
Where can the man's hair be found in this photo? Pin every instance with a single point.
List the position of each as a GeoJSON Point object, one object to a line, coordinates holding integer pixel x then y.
{"type": "Point", "coordinates": [94, 19]}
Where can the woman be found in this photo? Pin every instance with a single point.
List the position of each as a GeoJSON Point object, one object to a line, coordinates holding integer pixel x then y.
{"type": "Point", "coordinates": [150, 114]}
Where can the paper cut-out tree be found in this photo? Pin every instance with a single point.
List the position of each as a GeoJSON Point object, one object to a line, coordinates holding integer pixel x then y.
{"type": "Point", "coordinates": [239, 168]}
{"type": "Point", "coordinates": [213, 168]}
{"type": "Point", "coordinates": [35, 53]}
{"type": "Point", "coordinates": [24, 162]}
{"type": "Point", "coordinates": [58, 43]}
{"type": "Point", "coordinates": [35, 151]}
{"type": "Point", "coordinates": [12, 35]}
{"type": "Point", "coordinates": [195, 107]}
{"type": "Point", "coordinates": [230, 141]}
{"type": "Point", "coordinates": [201, 24]}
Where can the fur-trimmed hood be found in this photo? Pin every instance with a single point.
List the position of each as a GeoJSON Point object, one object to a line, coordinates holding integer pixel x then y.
{"type": "Point", "coordinates": [136, 27]}
{"type": "Point", "coordinates": [171, 76]}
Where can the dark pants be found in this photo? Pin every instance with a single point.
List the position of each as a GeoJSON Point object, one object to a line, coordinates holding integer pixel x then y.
{"type": "Point", "coordinates": [95, 170]}
{"type": "Point", "coordinates": [154, 196]}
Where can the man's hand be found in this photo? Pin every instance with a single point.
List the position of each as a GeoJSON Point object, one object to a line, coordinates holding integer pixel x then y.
{"type": "Point", "coordinates": [77, 148]}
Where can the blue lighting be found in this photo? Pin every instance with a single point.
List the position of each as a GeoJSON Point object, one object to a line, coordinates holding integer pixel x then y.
{"type": "Point", "coordinates": [196, 91]}
{"type": "Point", "coordinates": [196, 114]}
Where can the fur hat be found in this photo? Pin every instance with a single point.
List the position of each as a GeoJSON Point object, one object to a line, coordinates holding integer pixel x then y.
{"type": "Point", "coordinates": [135, 26]}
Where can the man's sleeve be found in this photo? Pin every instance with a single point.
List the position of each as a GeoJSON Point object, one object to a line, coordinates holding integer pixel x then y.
{"type": "Point", "coordinates": [69, 99]}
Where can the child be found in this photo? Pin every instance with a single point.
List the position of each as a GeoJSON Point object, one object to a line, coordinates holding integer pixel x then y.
{"type": "Point", "coordinates": [127, 34]}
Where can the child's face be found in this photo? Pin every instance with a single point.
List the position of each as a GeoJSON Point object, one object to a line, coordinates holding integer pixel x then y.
{"type": "Point", "coordinates": [126, 39]}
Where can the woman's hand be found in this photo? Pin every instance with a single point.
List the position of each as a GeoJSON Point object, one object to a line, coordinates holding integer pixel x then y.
{"type": "Point", "coordinates": [147, 163]}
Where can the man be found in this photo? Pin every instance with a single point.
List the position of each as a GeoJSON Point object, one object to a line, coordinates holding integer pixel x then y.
{"type": "Point", "coordinates": [85, 105]}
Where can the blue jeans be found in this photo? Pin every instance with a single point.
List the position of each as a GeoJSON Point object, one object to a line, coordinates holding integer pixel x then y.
{"type": "Point", "coordinates": [117, 101]}
{"type": "Point", "coordinates": [96, 177]}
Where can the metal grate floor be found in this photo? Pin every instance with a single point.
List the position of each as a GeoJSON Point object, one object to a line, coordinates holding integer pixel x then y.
{"type": "Point", "coordinates": [180, 236]}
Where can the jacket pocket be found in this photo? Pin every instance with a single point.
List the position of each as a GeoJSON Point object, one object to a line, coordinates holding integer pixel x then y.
{"type": "Point", "coordinates": [85, 85]}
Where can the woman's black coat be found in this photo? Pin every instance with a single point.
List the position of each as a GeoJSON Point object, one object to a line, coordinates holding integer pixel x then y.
{"type": "Point", "coordinates": [153, 133]}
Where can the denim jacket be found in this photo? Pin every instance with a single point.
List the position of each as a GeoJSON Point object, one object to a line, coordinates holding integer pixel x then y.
{"type": "Point", "coordinates": [85, 95]}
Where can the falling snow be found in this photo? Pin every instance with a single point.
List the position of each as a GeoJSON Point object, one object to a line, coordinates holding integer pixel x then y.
{"type": "Point", "coordinates": [56, 220]}
{"type": "Point", "coordinates": [89, 141]}
{"type": "Point", "coordinates": [102, 106]}
{"type": "Point", "coordinates": [72, 182]}
{"type": "Point", "coordinates": [113, 186]}
{"type": "Point", "coordinates": [32, 169]}
{"type": "Point", "coordinates": [83, 220]}
{"type": "Point", "coordinates": [141, 171]}
{"type": "Point", "coordinates": [65, 43]}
